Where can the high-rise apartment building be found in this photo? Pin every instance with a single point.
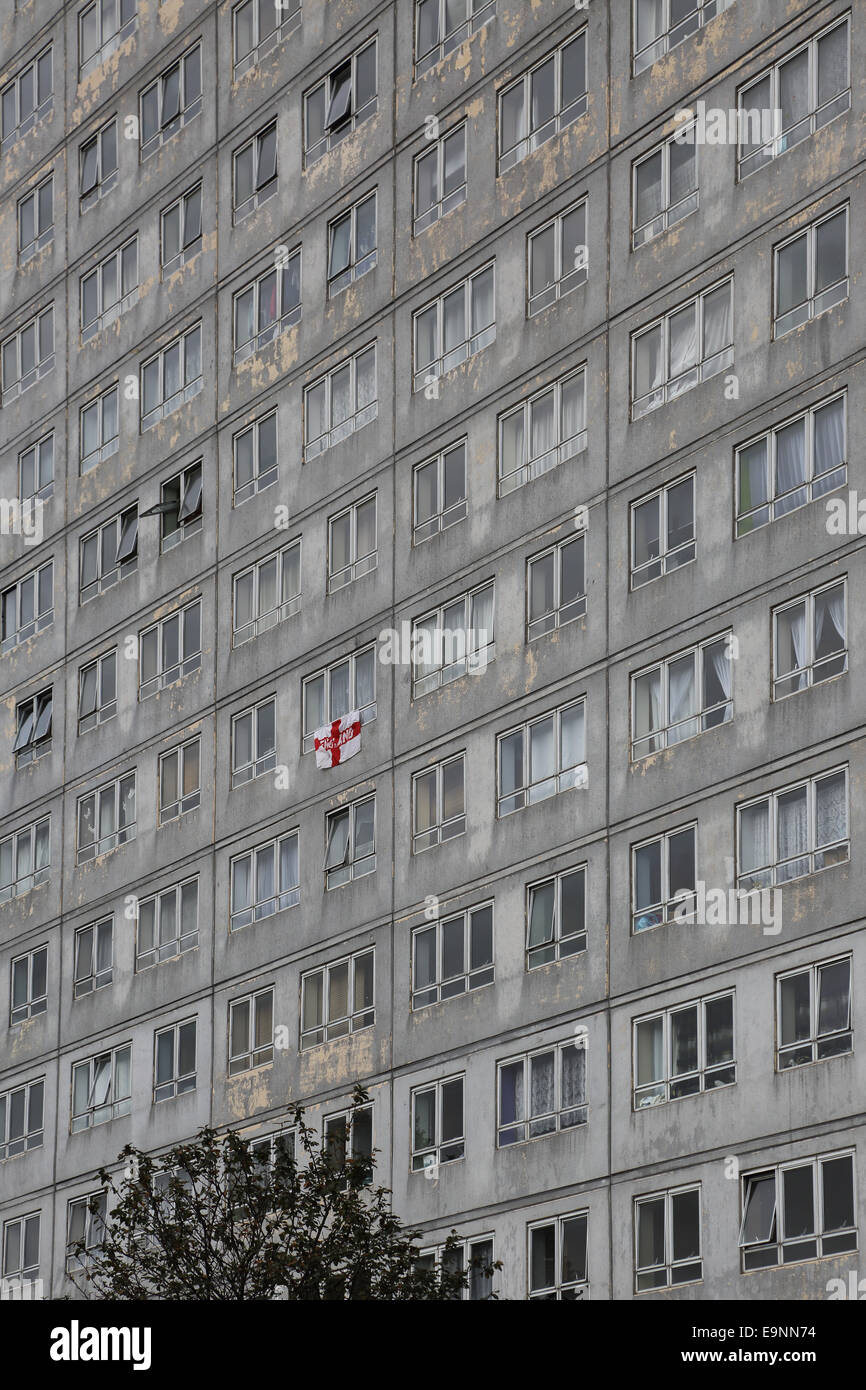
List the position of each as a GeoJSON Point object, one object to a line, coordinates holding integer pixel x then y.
{"type": "Point", "coordinates": [481, 371]}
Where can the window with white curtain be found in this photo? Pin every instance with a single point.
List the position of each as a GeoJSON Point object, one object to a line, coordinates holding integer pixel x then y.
{"type": "Point", "coordinates": [813, 1013]}
{"type": "Point", "coordinates": [798, 1211]}
{"type": "Point", "coordinates": [686, 346]}
{"type": "Point", "coordinates": [106, 818]}
{"type": "Point", "coordinates": [439, 493]}
{"type": "Point", "coordinates": [793, 832]}
{"type": "Point", "coordinates": [94, 954]}
{"type": "Point", "coordinates": [665, 186]}
{"type": "Point", "coordinates": [542, 1092]}
{"type": "Point", "coordinates": [542, 102]}
{"type": "Point", "coordinates": [452, 955]}
{"type": "Point", "coordinates": [25, 859]}
{"type": "Point", "coordinates": [101, 1088]}
{"type": "Point", "coordinates": [440, 179]}
{"type": "Point", "coordinates": [337, 690]}
{"type": "Point", "coordinates": [438, 804]}
{"type": "Point", "coordinates": [683, 1051]}
{"type": "Point", "coordinates": [264, 880]}
{"type": "Point", "coordinates": [454, 327]}
{"type": "Point", "coordinates": [167, 924]}
{"type": "Point", "coordinates": [350, 842]}
{"type": "Point", "coordinates": [556, 917]}
{"type": "Point", "coordinates": [663, 531]}
{"type": "Point", "coordinates": [337, 999]}
{"type": "Point", "coordinates": [809, 87]}
{"type": "Point", "coordinates": [437, 1123]}
{"type": "Point", "coordinates": [557, 1259]}
{"type": "Point", "coordinates": [811, 272]}
{"type": "Point", "coordinates": [542, 757]}
{"type": "Point", "coordinates": [556, 258]}
{"type": "Point", "coordinates": [663, 878]}
{"type": "Point", "coordinates": [268, 307]}
{"type": "Point", "coordinates": [455, 639]}
{"type": "Point", "coordinates": [682, 697]}
{"type": "Point", "coordinates": [267, 593]}
{"type": "Point", "coordinates": [659, 25]}
{"type": "Point", "coordinates": [352, 244]}
{"type": "Point", "coordinates": [809, 639]}
{"type": "Point", "coordinates": [791, 465]}
{"type": "Point", "coordinates": [667, 1229]}
{"type": "Point", "coordinates": [545, 430]}
{"type": "Point", "coordinates": [555, 587]}
{"type": "Point", "coordinates": [442, 25]}
{"type": "Point", "coordinates": [339, 403]}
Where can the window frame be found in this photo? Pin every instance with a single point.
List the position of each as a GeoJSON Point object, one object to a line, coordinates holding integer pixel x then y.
{"type": "Point", "coordinates": [468, 655]}
{"type": "Point", "coordinates": [43, 490]}
{"type": "Point", "coordinates": [368, 712]}
{"type": "Point", "coordinates": [355, 116]}
{"type": "Point", "coordinates": [578, 603]}
{"type": "Point", "coordinates": [671, 1264]}
{"type": "Point", "coordinates": [123, 302]}
{"type": "Point", "coordinates": [360, 416]}
{"type": "Point", "coordinates": [188, 801]}
{"type": "Point", "coordinates": [25, 1275]}
{"type": "Point", "coordinates": [188, 248]}
{"type": "Point", "coordinates": [438, 1153]}
{"type": "Point", "coordinates": [35, 745]}
{"type": "Point", "coordinates": [103, 404]}
{"type": "Point", "coordinates": [185, 664]}
{"type": "Point", "coordinates": [670, 389]}
{"type": "Point", "coordinates": [123, 29]}
{"type": "Point", "coordinates": [260, 763]}
{"type": "Point", "coordinates": [41, 106]}
{"type": "Point", "coordinates": [32, 1135]}
{"type": "Point", "coordinates": [480, 12]}
{"type": "Point", "coordinates": [810, 484]}
{"type": "Point", "coordinates": [816, 1037]}
{"type": "Point", "coordinates": [18, 886]}
{"type": "Point", "coordinates": [123, 523]}
{"type": "Point", "coordinates": [564, 282]}
{"type": "Point", "coordinates": [472, 342]}
{"type": "Point", "coordinates": [282, 897]}
{"type": "Point", "coordinates": [261, 192]}
{"type": "Point", "coordinates": [523, 792]}
{"type": "Point", "coordinates": [662, 41]}
{"type": "Point", "coordinates": [666, 552]}
{"type": "Point", "coordinates": [435, 834]}
{"type": "Point", "coordinates": [358, 266]}
{"type": "Point", "coordinates": [562, 1290]}
{"type": "Point", "coordinates": [813, 296]}
{"type": "Point", "coordinates": [658, 737]}
{"type": "Point", "coordinates": [186, 392]}
{"type": "Point", "coordinates": [644, 232]}
{"type": "Point", "coordinates": [361, 564]}
{"type": "Point", "coordinates": [42, 364]}
{"type": "Point", "coordinates": [457, 511]}
{"type": "Point", "coordinates": [287, 21]}
{"type": "Point", "coordinates": [94, 1228]}
{"type": "Point", "coordinates": [120, 835]}
{"type": "Point", "coordinates": [446, 987]}
{"type": "Point", "coordinates": [117, 1105]}
{"type": "Point", "coordinates": [660, 1092]}
{"type": "Point", "coordinates": [43, 235]}
{"type": "Point", "coordinates": [186, 112]}
{"type": "Point", "coordinates": [808, 669]}
{"type": "Point", "coordinates": [179, 1083]}
{"type": "Point", "coordinates": [818, 1237]}
{"type": "Point", "coordinates": [670, 899]}
{"type": "Point", "coordinates": [35, 1003]}
{"type": "Point", "coordinates": [422, 220]}
{"type": "Point", "coordinates": [286, 317]}
{"type": "Point", "coordinates": [349, 865]}
{"type": "Point", "coordinates": [253, 1057]}
{"type": "Point", "coordinates": [269, 475]}
{"type": "Point", "coordinates": [531, 467]}
{"type": "Point", "coordinates": [104, 182]}
{"type": "Point", "coordinates": [276, 615]}
{"type": "Point", "coordinates": [96, 976]}
{"type": "Point", "coordinates": [560, 1110]}
{"type": "Point", "coordinates": [575, 940]}
{"type": "Point", "coordinates": [176, 942]}
{"type": "Point", "coordinates": [534, 138]}
{"type": "Point", "coordinates": [813, 850]}
{"type": "Point", "coordinates": [42, 618]}
{"type": "Point", "coordinates": [355, 1019]}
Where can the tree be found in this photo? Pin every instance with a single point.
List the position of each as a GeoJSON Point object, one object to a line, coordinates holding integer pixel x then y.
{"type": "Point", "coordinates": [215, 1219]}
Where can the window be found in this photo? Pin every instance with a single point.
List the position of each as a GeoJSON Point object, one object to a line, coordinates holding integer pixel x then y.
{"type": "Point", "coordinates": [555, 587]}
{"type": "Point", "coordinates": [473, 1257]}
{"type": "Point", "coordinates": [557, 1259]}
{"type": "Point", "coordinates": [350, 842]}
{"type": "Point", "coordinates": [662, 878]}
{"type": "Point", "coordinates": [97, 692]}
{"type": "Point", "coordinates": [28, 355]}
{"type": "Point", "coordinates": [556, 918]}
{"type": "Point", "coordinates": [26, 99]}
{"type": "Point", "coordinates": [255, 457]}
{"type": "Point", "coordinates": [791, 465]}
{"type": "Point", "coordinates": [86, 1225]}
{"type": "Point", "coordinates": [542, 102]}
{"type": "Point", "coordinates": [169, 650]}
{"type": "Point", "coordinates": [684, 1051]}
{"type": "Point", "coordinates": [99, 430]}
{"type": "Point", "coordinates": [251, 1031]}
{"type": "Point", "coordinates": [339, 103]}
{"type": "Point", "coordinates": [255, 172]}
{"type": "Point", "coordinates": [109, 290]}
{"type": "Point", "coordinates": [542, 432]}
{"type": "Point", "coordinates": [352, 245]}
{"type": "Point", "coordinates": [668, 1239]}
{"type": "Point", "coordinates": [36, 470]}
{"type": "Point", "coordinates": [265, 880]}
{"type": "Point", "coordinates": [665, 187]}
{"type": "Point", "coordinates": [809, 643]}
{"type": "Point", "coordinates": [267, 593]}
{"type": "Point", "coordinates": [25, 859]}
{"type": "Point", "coordinates": [180, 231]}
{"type": "Point", "coordinates": [21, 1119]}
{"type": "Point", "coordinates": [454, 327]}
{"type": "Point", "coordinates": [339, 403]}
{"type": "Point", "coordinates": [101, 1088]}
{"type": "Point", "coordinates": [179, 507]}
{"type": "Point", "coordinates": [543, 757]}
{"type": "Point", "coordinates": [437, 1123]}
{"type": "Point", "coordinates": [21, 1252]}
{"type": "Point", "coordinates": [440, 179]}
{"type": "Point", "coordinates": [542, 1092]}
{"type": "Point", "coordinates": [688, 345]}
{"type": "Point", "coordinates": [36, 219]}
{"type": "Point", "coordinates": [442, 25]}
{"type": "Point", "coordinates": [33, 723]}
{"type": "Point", "coordinates": [439, 493]}
{"type": "Point", "coordinates": [813, 1013]}
{"type": "Point", "coordinates": [98, 164]}
{"type": "Point", "coordinates": [345, 686]}
{"type": "Point", "coordinates": [167, 924]}
{"type": "Point", "coordinates": [352, 543]}
{"type": "Point", "coordinates": [29, 981]}
{"type": "Point", "coordinates": [663, 531]}
{"type": "Point", "coordinates": [794, 832]}
{"type": "Point", "coordinates": [456, 638]}
{"type": "Point", "coordinates": [106, 818]}
{"type": "Point", "coordinates": [337, 1000]}
{"type": "Point", "coordinates": [556, 259]}
{"type": "Point", "coordinates": [349, 1138]}
{"type": "Point", "coordinates": [94, 953]}
{"type": "Point", "coordinates": [660, 25]}
{"type": "Point", "coordinates": [171, 377]}
{"type": "Point", "coordinates": [174, 1061]}
{"type": "Point", "coordinates": [270, 1148]}
{"type": "Point", "coordinates": [254, 749]}
{"type": "Point", "coordinates": [798, 1211]}
{"type": "Point", "coordinates": [171, 101]}
{"type": "Point", "coordinates": [810, 87]}
{"type": "Point", "coordinates": [438, 804]}
{"type": "Point", "coordinates": [27, 607]}
{"type": "Point", "coordinates": [452, 955]}
{"type": "Point", "coordinates": [259, 25]}
{"type": "Point", "coordinates": [180, 781]}
{"type": "Point", "coordinates": [108, 554]}
{"type": "Point", "coordinates": [681, 697]}
{"type": "Point", "coordinates": [811, 272]}
{"type": "Point", "coordinates": [102, 27]}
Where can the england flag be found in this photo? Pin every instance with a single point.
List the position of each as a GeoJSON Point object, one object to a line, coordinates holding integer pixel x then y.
{"type": "Point", "coordinates": [336, 742]}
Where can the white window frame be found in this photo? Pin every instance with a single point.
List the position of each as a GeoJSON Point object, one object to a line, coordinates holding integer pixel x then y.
{"type": "Point", "coordinates": [814, 486]}
{"type": "Point", "coordinates": [808, 669]}
{"type": "Point", "coordinates": [670, 214]}
{"type": "Point", "coordinates": [186, 801]}
{"type": "Point", "coordinates": [335, 132]}
{"type": "Point", "coordinates": [367, 712]}
{"type": "Point", "coordinates": [704, 1077]}
{"type": "Point", "coordinates": [768, 875]}
{"type": "Point", "coordinates": [478, 13]}
{"type": "Point", "coordinates": [442, 830]}
{"type": "Point", "coordinates": [431, 1257]}
{"type": "Point", "coordinates": [38, 834]}
{"type": "Point", "coordinates": [554, 1119]}
{"type": "Point", "coordinates": [123, 524]}
{"type": "Point", "coordinates": [442, 1150]}
{"type": "Point", "coordinates": [348, 1119]}
{"type": "Point", "coordinates": [670, 37]}
{"type": "Point", "coordinates": [126, 298]}
{"type": "Point", "coordinates": [30, 718]}
{"type": "Point", "coordinates": [564, 281]}
{"type": "Point", "coordinates": [103, 404]}
{"type": "Point", "coordinates": [473, 341]}
{"type": "Point", "coordinates": [179, 1083]}
{"type": "Point", "coordinates": [165, 406]}
{"type": "Point", "coordinates": [35, 1001]}
{"type": "Point", "coordinates": [104, 182]}
{"type": "Point", "coordinates": [821, 1046]}
{"type": "Point", "coordinates": [462, 643]}
{"type": "Point", "coordinates": [22, 1276]}
{"type": "Point", "coordinates": [43, 363]}
{"type": "Point", "coordinates": [659, 738]}
{"type": "Point", "coordinates": [816, 302]}
{"type": "Point", "coordinates": [669, 558]}
{"type": "Point", "coordinates": [43, 470]}
{"type": "Point", "coordinates": [268, 187]}
{"type": "Point", "coordinates": [42, 235]}
{"type": "Point", "coordinates": [120, 835]}
{"type": "Point", "coordinates": [348, 867]}
{"type": "Point", "coordinates": [286, 316]}
{"type": "Point", "coordinates": [42, 616]}
{"type": "Point", "coordinates": [106, 43]}
{"type": "Point", "coordinates": [559, 945]}
{"type": "Point", "coordinates": [563, 778]}
{"type": "Point", "coordinates": [32, 1134]}
{"type": "Point", "coordinates": [88, 976]}
{"type": "Point", "coordinates": [181, 941]}
{"type": "Point", "coordinates": [103, 709]}
{"type": "Point", "coordinates": [93, 1223]}
{"type": "Point", "coordinates": [357, 1016]}
{"type": "Point", "coordinates": [472, 977]}
{"type": "Point", "coordinates": [42, 102]}
{"type": "Point", "coordinates": [116, 1105]}
{"type": "Point", "coordinates": [260, 762]}
{"type": "Point", "coordinates": [534, 465]}
{"type": "Point", "coordinates": [443, 517]}
{"type": "Point", "coordinates": [190, 485]}
{"type": "Point", "coordinates": [186, 662]}
{"type": "Point", "coordinates": [360, 416]}
{"type": "Point", "coordinates": [261, 478]}
{"type": "Point", "coordinates": [672, 898]}
{"type": "Point", "coordinates": [287, 19]}
{"type": "Point", "coordinates": [839, 1241]}
{"type": "Point", "coordinates": [562, 117]}
{"type": "Point", "coordinates": [286, 608]}
{"type": "Point", "coordinates": [357, 266]}
{"type": "Point", "coordinates": [188, 109]}
{"type": "Point", "coordinates": [561, 614]}
{"type": "Point", "coordinates": [704, 368]}
{"type": "Point", "coordinates": [562, 1290]}
{"type": "Point", "coordinates": [253, 1057]}
{"type": "Point", "coordinates": [284, 895]}
{"type": "Point", "coordinates": [359, 565]}
{"type": "Point", "coordinates": [447, 202]}
{"type": "Point", "coordinates": [189, 238]}
{"type": "Point", "coordinates": [671, 1267]}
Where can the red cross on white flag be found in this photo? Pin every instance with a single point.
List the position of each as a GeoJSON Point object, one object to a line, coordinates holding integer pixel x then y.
{"type": "Point", "coordinates": [336, 742]}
